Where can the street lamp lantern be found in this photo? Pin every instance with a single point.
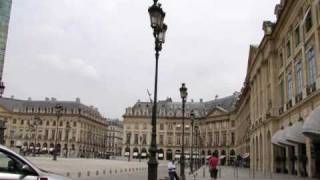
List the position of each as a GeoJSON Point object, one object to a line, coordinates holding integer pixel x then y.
{"type": "Point", "coordinates": [183, 91]}
{"type": "Point", "coordinates": [156, 16]}
{"type": "Point", "coordinates": [162, 33]}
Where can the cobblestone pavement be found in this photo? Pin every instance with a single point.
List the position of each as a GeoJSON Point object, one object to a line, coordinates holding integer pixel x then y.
{"type": "Point", "coordinates": [97, 169]}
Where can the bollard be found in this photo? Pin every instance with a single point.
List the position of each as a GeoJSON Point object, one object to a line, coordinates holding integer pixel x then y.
{"type": "Point", "coordinates": [115, 171]}
{"type": "Point", "coordinates": [79, 174]}
{"type": "Point", "coordinates": [88, 173]}
{"type": "Point", "coordinates": [97, 173]}
{"type": "Point", "coordinates": [129, 169]}
{"type": "Point", "coordinates": [110, 171]}
{"type": "Point", "coordinates": [120, 170]}
{"type": "Point", "coordinates": [125, 170]}
{"type": "Point", "coordinates": [104, 172]}
{"type": "Point", "coordinates": [68, 174]}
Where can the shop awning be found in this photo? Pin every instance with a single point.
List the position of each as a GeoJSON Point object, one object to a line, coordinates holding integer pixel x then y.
{"type": "Point", "coordinates": [177, 156]}
{"type": "Point", "coordinates": [280, 138]}
{"type": "Point", "coordinates": [311, 126]}
{"type": "Point", "coordinates": [294, 133]}
{"type": "Point", "coordinates": [222, 157]}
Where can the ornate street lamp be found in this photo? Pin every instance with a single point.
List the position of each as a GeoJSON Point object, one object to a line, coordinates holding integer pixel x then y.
{"type": "Point", "coordinates": [159, 30]}
{"type": "Point", "coordinates": [67, 138]}
{"type": "Point", "coordinates": [34, 127]}
{"type": "Point", "coordinates": [183, 94]}
{"type": "Point", "coordinates": [59, 109]}
{"type": "Point", "coordinates": [192, 137]}
{"type": "Point", "coordinates": [2, 129]}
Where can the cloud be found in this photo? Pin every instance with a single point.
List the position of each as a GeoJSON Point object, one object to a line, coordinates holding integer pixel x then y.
{"type": "Point", "coordinates": [75, 66]}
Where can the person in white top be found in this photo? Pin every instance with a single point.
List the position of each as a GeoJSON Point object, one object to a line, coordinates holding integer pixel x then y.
{"type": "Point", "coordinates": [172, 171]}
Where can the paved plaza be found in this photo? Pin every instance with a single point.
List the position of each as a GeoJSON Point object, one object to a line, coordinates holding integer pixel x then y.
{"type": "Point", "coordinates": [98, 169]}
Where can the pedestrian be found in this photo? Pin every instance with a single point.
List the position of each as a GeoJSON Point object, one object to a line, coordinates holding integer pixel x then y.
{"type": "Point", "coordinates": [213, 163]}
{"type": "Point", "coordinates": [172, 171]}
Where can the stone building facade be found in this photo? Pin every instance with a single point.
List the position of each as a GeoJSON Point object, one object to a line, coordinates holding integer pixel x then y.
{"type": "Point", "coordinates": [282, 83]}
{"type": "Point", "coordinates": [31, 125]}
{"type": "Point", "coordinates": [214, 129]}
{"type": "Point", "coordinates": [114, 137]}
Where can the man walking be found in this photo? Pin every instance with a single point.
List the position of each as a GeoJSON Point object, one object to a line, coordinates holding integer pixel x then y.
{"type": "Point", "coordinates": [172, 171]}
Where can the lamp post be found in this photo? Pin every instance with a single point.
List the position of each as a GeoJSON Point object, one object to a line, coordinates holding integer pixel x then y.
{"type": "Point", "coordinates": [2, 129]}
{"type": "Point", "coordinates": [140, 148]}
{"type": "Point", "coordinates": [34, 126]}
{"type": "Point", "coordinates": [192, 126]}
{"type": "Point", "coordinates": [58, 109]}
{"type": "Point", "coordinates": [2, 87]}
{"type": "Point", "coordinates": [67, 138]}
{"type": "Point", "coordinates": [183, 94]}
{"type": "Point", "coordinates": [159, 30]}
{"type": "Point", "coordinates": [128, 143]}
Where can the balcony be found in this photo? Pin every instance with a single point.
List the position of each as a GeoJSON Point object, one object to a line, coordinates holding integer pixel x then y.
{"type": "Point", "coordinates": [289, 104]}
{"type": "Point", "coordinates": [298, 97]}
{"type": "Point", "coordinates": [311, 88]}
{"type": "Point", "coordinates": [281, 110]}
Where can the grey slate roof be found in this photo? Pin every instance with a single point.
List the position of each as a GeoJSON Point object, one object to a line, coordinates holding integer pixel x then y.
{"type": "Point", "coordinates": [16, 105]}
{"type": "Point", "coordinates": [200, 108]}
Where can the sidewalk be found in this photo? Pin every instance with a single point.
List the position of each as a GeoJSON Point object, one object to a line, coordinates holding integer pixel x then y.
{"type": "Point", "coordinates": [230, 173]}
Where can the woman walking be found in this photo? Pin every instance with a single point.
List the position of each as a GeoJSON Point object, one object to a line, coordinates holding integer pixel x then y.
{"type": "Point", "coordinates": [213, 163]}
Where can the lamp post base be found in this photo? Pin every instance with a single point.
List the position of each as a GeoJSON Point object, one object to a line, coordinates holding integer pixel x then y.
{"type": "Point", "coordinates": [152, 169]}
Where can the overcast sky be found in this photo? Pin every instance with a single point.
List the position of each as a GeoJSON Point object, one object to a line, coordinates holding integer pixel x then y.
{"type": "Point", "coordinates": [103, 50]}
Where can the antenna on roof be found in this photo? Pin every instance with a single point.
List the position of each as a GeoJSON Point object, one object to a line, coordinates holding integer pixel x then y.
{"type": "Point", "coordinates": [149, 94]}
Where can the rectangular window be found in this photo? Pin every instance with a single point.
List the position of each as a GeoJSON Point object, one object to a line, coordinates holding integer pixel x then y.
{"type": "Point", "coordinates": [299, 80]}
{"type": "Point", "coordinates": [282, 92]}
{"type": "Point", "coordinates": [308, 21]}
{"type": "Point", "coordinates": [297, 36]}
{"type": "Point", "coordinates": [161, 126]}
{"type": "Point", "coordinates": [136, 139]}
{"type": "Point", "coordinates": [161, 140]}
{"type": "Point", "coordinates": [288, 49]}
{"type": "Point", "coordinates": [281, 59]}
{"type": "Point", "coordinates": [311, 63]}
{"type": "Point", "coordinates": [178, 140]}
{"type": "Point", "coordinates": [217, 139]}
{"type": "Point", "coordinates": [289, 86]}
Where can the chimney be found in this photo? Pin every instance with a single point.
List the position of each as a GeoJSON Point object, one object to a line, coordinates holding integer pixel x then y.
{"type": "Point", "coordinates": [47, 99]}
{"type": "Point", "coordinates": [12, 97]}
{"type": "Point", "coordinates": [201, 100]}
{"type": "Point", "coordinates": [53, 99]}
{"type": "Point", "coordinates": [78, 100]}
{"type": "Point", "coordinates": [192, 100]}
{"type": "Point", "coordinates": [29, 99]}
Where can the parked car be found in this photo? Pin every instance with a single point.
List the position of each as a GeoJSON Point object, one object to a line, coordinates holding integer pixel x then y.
{"type": "Point", "coordinates": [15, 167]}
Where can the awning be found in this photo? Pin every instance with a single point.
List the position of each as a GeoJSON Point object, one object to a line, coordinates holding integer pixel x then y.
{"type": "Point", "coordinates": [311, 126]}
{"type": "Point", "coordinates": [280, 138]}
{"type": "Point", "coordinates": [222, 157]}
{"type": "Point", "coordinates": [160, 155]}
{"type": "Point", "coordinates": [143, 154]}
{"type": "Point", "coordinates": [135, 154]}
{"type": "Point", "coordinates": [294, 133]}
{"type": "Point", "coordinates": [187, 156]}
{"type": "Point", "coordinates": [126, 153]}
{"type": "Point", "coordinates": [245, 155]}
{"type": "Point", "coordinates": [177, 156]}
{"type": "Point", "coordinates": [208, 157]}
